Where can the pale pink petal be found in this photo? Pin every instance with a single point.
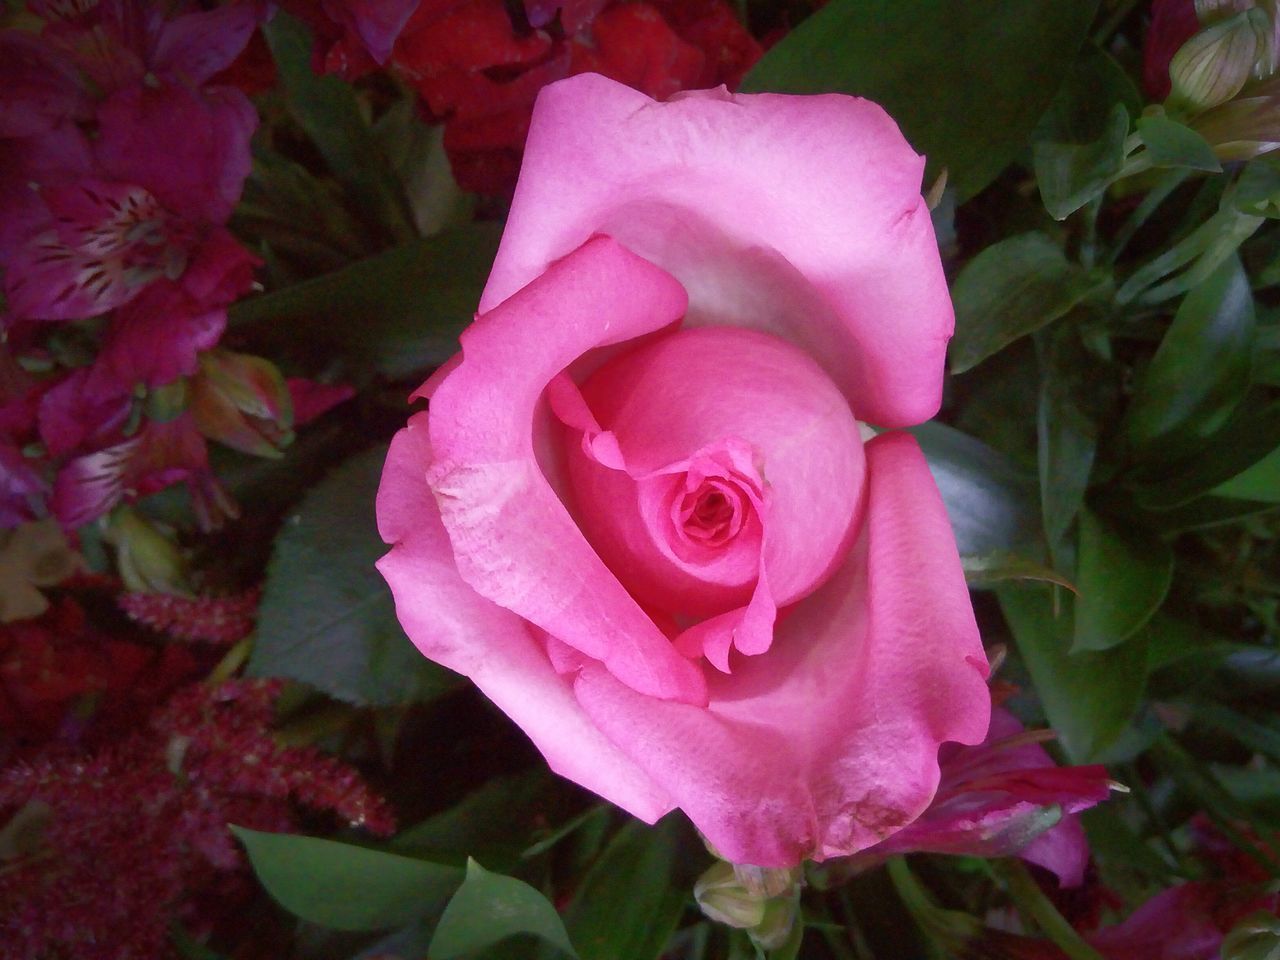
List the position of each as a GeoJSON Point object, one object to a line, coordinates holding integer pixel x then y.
{"type": "Point", "coordinates": [455, 626]}
{"type": "Point", "coordinates": [1063, 850]}
{"type": "Point", "coordinates": [514, 541]}
{"type": "Point", "coordinates": [800, 216]}
{"type": "Point", "coordinates": [828, 743]}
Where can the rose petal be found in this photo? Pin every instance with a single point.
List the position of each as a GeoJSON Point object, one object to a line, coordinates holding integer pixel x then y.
{"type": "Point", "coordinates": [828, 743]}
{"type": "Point", "coordinates": [801, 216]}
{"type": "Point", "coordinates": [455, 626]}
{"type": "Point", "coordinates": [514, 541]}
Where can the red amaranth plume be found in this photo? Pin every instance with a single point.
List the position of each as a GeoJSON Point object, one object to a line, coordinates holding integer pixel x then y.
{"type": "Point", "coordinates": [221, 620]}
{"type": "Point", "coordinates": [126, 840]}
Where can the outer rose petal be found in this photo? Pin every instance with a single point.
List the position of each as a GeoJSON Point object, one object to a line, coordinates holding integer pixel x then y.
{"type": "Point", "coordinates": [828, 743]}
{"type": "Point", "coordinates": [513, 539]}
{"type": "Point", "coordinates": [455, 626]}
{"type": "Point", "coordinates": [801, 216]}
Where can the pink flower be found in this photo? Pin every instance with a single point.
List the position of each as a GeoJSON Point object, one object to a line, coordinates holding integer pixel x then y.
{"type": "Point", "coordinates": [1003, 797]}
{"type": "Point", "coordinates": [639, 512]}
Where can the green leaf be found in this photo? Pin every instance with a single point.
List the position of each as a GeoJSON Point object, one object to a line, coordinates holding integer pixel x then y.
{"type": "Point", "coordinates": [628, 905]}
{"type": "Point", "coordinates": [1258, 737]}
{"type": "Point", "coordinates": [993, 568]}
{"type": "Point", "coordinates": [344, 886]}
{"type": "Point", "coordinates": [1011, 289]}
{"type": "Point", "coordinates": [1066, 432]}
{"type": "Point", "coordinates": [395, 313]}
{"type": "Point", "coordinates": [494, 821]}
{"type": "Point", "coordinates": [1173, 144]}
{"type": "Point", "coordinates": [488, 908]}
{"type": "Point", "coordinates": [1258, 188]}
{"type": "Point", "coordinates": [990, 501]}
{"type": "Point", "coordinates": [330, 114]}
{"type": "Point", "coordinates": [1088, 698]}
{"type": "Point", "coordinates": [1123, 576]}
{"type": "Point", "coordinates": [327, 618]}
{"type": "Point", "coordinates": [1070, 174]}
{"type": "Point", "coordinates": [1249, 436]}
{"type": "Point", "coordinates": [1200, 371]}
{"type": "Point", "coordinates": [1081, 110]}
{"type": "Point", "coordinates": [1261, 482]}
{"type": "Point", "coordinates": [1004, 60]}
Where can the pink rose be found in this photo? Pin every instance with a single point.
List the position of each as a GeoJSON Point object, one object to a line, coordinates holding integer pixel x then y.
{"type": "Point", "coordinates": [640, 514]}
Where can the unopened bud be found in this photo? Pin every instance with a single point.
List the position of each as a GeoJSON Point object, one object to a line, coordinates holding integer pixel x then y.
{"type": "Point", "coordinates": [1256, 937]}
{"type": "Point", "coordinates": [167, 402]}
{"type": "Point", "coordinates": [148, 560]}
{"type": "Point", "coordinates": [1244, 128]}
{"type": "Point", "coordinates": [766, 882]}
{"type": "Point", "coordinates": [1212, 66]}
{"type": "Point", "coordinates": [243, 402]}
{"type": "Point", "coordinates": [775, 926]}
{"type": "Point", "coordinates": [723, 898]}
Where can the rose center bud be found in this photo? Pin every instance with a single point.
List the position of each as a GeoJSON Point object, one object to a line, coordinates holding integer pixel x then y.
{"type": "Point", "coordinates": [740, 465]}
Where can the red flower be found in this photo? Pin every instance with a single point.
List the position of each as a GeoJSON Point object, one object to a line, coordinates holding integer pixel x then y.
{"type": "Point", "coordinates": [1173, 23]}
{"type": "Point", "coordinates": [132, 837]}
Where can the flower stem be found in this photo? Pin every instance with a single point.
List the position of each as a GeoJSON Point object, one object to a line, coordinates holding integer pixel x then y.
{"type": "Point", "coordinates": [234, 659]}
{"type": "Point", "coordinates": [1032, 903]}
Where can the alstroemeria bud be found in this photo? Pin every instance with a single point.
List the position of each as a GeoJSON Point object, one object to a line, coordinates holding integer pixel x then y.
{"type": "Point", "coordinates": [148, 561]}
{"type": "Point", "coordinates": [242, 401]}
{"type": "Point", "coordinates": [1212, 66]}
{"type": "Point", "coordinates": [724, 898]}
{"type": "Point", "coordinates": [775, 926]}
{"type": "Point", "coordinates": [1256, 937]}
{"type": "Point", "coordinates": [1244, 128]}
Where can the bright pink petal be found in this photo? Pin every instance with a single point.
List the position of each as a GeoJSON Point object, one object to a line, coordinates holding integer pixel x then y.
{"type": "Point", "coordinates": [800, 216]}
{"type": "Point", "coordinates": [455, 626]}
{"type": "Point", "coordinates": [514, 541]}
{"type": "Point", "coordinates": [695, 390]}
{"type": "Point", "coordinates": [828, 743]}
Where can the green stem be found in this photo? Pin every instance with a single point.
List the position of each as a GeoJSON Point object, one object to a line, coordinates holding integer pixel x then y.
{"type": "Point", "coordinates": [1089, 241]}
{"type": "Point", "coordinates": [1032, 903]}
{"type": "Point", "coordinates": [231, 662]}
{"type": "Point", "coordinates": [1150, 203]}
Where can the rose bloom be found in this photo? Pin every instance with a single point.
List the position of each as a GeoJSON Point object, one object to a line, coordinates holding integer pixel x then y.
{"type": "Point", "coordinates": [640, 513]}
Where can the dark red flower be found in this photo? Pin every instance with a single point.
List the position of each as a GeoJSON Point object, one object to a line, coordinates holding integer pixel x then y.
{"type": "Point", "coordinates": [1173, 23]}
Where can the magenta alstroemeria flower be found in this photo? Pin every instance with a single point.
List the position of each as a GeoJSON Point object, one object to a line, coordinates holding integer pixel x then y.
{"type": "Point", "coordinates": [94, 230]}
{"type": "Point", "coordinates": [116, 43]}
{"type": "Point", "coordinates": [20, 481]}
{"type": "Point", "coordinates": [158, 456]}
{"type": "Point", "coordinates": [1003, 797]}
{"type": "Point", "coordinates": [38, 88]}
